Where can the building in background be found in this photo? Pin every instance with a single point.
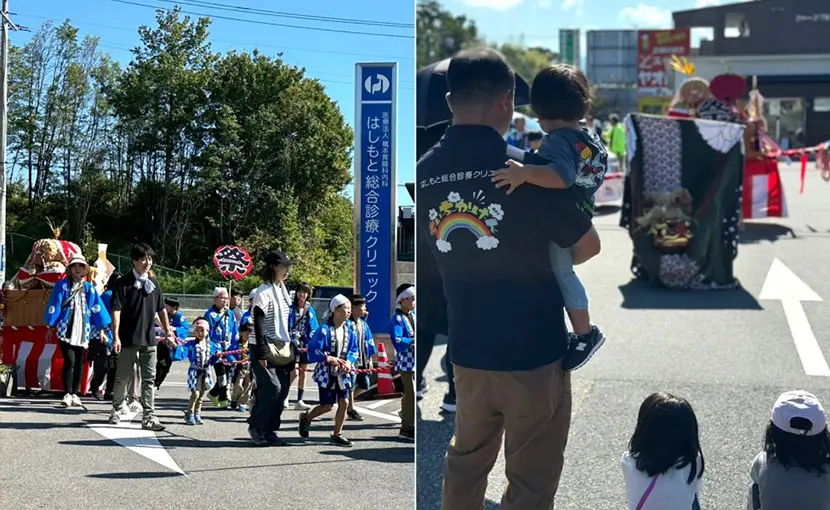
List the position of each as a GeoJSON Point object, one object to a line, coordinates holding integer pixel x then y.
{"type": "Point", "coordinates": [569, 50]}
{"type": "Point", "coordinates": [611, 58]}
{"type": "Point", "coordinates": [784, 45]}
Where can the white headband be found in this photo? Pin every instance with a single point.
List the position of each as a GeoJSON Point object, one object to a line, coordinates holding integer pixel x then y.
{"type": "Point", "coordinates": [406, 293]}
{"type": "Point", "coordinates": [338, 300]}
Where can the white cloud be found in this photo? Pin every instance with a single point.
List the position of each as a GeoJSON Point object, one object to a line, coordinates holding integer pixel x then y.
{"type": "Point", "coordinates": [700, 4]}
{"type": "Point", "coordinates": [646, 16]}
{"type": "Point", "coordinates": [496, 5]}
{"type": "Point", "coordinates": [568, 5]}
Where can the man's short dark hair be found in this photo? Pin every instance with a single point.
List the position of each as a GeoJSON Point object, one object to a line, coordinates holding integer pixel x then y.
{"type": "Point", "coordinates": [236, 293]}
{"type": "Point", "coordinates": [479, 75]}
{"type": "Point", "coordinates": [141, 250]}
{"type": "Point", "coordinates": [560, 92]}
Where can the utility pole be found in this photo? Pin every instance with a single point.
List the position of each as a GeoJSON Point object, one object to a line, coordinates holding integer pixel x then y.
{"type": "Point", "coordinates": [4, 117]}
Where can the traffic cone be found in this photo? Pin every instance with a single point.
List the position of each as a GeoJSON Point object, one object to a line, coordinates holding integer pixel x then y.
{"type": "Point", "coordinates": [385, 384]}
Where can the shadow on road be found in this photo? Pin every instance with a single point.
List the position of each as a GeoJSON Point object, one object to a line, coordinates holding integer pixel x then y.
{"type": "Point", "coordinates": [770, 232]}
{"type": "Point", "coordinates": [433, 438]}
{"type": "Point", "coordinates": [606, 210]}
{"type": "Point", "coordinates": [134, 476]}
{"type": "Point", "coordinates": [638, 295]}
{"type": "Point", "coordinates": [400, 455]}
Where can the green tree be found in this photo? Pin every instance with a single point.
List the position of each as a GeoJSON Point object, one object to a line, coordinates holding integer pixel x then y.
{"type": "Point", "coordinates": [440, 33]}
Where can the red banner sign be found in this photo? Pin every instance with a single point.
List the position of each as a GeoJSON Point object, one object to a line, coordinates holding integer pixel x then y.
{"type": "Point", "coordinates": [232, 262]}
{"type": "Point", "coordinates": [654, 51]}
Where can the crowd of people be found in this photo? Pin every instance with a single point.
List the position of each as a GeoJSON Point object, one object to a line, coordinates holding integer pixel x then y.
{"type": "Point", "coordinates": [245, 360]}
{"type": "Point", "coordinates": [512, 370]}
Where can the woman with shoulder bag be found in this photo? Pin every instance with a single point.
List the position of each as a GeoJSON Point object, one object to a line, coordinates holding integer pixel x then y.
{"type": "Point", "coordinates": [272, 352]}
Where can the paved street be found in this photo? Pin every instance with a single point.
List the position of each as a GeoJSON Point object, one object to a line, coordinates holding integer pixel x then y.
{"type": "Point", "coordinates": [729, 353]}
{"type": "Point", "coordinates": [57, 458]}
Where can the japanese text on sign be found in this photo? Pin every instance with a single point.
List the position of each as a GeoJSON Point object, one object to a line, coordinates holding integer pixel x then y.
{"type": "Point", "coordinates": [232, 262]}
{"type": "Point", "coordinates": [375, 190]}
{"type": "Point", "coordinates": [654, 49]}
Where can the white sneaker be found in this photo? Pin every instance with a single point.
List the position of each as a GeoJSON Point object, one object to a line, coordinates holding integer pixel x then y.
{"type": "Point", "coordinates": [67, 400]}
{"type": "Point", "coordinates": [135, 407]}
{"type": "Point", "coordinates": [76, 401]}
{"type": "Point", "coordinates": [115, 417]}
{"type": "Point", "coordinates": [301, 406]}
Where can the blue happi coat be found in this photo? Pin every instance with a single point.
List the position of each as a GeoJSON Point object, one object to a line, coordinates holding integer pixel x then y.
{"type": "Point", "coordinates": [181, 325]}
{"type": "Point", "coordinates": [311, 323]}
{"type": "Point", "coordinates": [320, 344]}
{"type": "Point", "coordinates": [222, 331]}
{"type": "Point", "coordinates": [370, 349]}
{"type": "Point", "coordinates": [57, 310]}
{"type": "Point", "coordinates": [199, 362]}
{"type": "Point", "coordinates": [95, 333]}
{"type": "Point", "coordinates": [402, 338]}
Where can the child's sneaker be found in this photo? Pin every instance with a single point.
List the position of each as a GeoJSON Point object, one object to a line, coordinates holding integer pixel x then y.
{"type": "Point", "coordinates": [581, 348]}
{"type": "Point", "coordinates": [76, 401]}
{"type": "Point", "coordinates": [115, 417]}
{"type": "Point", "coordinates": [234, 405]}
{"type": "Point", "coordinates": [189, 419]}
{"type": "Point", "coordinates": [301, 406]}
{"type": "Point", "coordinates": [407, 434]}
{"type": "Point", "coordinates": [354, 415]}
{"type": "Point", "coordinates": [243, 408]}
{"type": "Point", "coordinates": [67, 400]}
{"type": "Point", "coordinates": [198, 419]}
{"type": "Point", "coordinates": [304, 425]}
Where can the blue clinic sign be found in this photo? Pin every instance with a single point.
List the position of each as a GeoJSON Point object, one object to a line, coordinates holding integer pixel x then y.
{"type": "Point", "coordinates": [376, 211]}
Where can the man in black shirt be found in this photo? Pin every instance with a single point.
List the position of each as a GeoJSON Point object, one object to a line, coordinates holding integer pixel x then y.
{"type": "Point", "coordinates": [491, 248]}
{"type": "Point", "coordinates": [136, 300]}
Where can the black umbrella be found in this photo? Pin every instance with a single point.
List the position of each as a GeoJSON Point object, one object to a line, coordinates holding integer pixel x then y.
{"type": "Point", "coordinates": [431, 87]}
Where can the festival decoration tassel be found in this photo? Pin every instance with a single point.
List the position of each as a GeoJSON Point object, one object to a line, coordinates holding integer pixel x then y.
{"type": "Point", "coordinates": [803, 170]}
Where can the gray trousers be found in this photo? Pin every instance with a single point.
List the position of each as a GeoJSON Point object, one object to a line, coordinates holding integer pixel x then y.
{"type": "Point", "coordinates": [146, 357]}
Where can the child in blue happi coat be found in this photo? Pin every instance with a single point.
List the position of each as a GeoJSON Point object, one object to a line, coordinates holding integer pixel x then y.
{"type": "Point", "coordinates": [74, 309]}
{"type": "Point", "coordinates": [201, 354]}
{"type": "Point", "coordinates": [223, 332]}
{"type": "Point", "coordinates": [365, 350]}
{"type": "Point", "coordinates": [241, 390]}
{"type": "Point", "coordinates": [164, 354]}
{"type": "Point", "coordinates": [403, 339]}
{"type": "Point", "coordinates": [302, 323]}
{"type": "Point", "coordinates": [104, 359]}
{"type": "Point", "coordinates": [334, 348]}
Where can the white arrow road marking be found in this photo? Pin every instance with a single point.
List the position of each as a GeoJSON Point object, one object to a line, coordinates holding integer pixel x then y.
{"type": "Point", "coordinates": [143, 442]}
{"type": "Point", "coordinates": [382, 416]}
{"type": "Point", "coordinates": [783, 285]}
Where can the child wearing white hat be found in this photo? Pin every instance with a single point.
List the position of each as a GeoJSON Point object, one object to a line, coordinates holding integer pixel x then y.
{"type": "Point", "coordinates": [795, 463]}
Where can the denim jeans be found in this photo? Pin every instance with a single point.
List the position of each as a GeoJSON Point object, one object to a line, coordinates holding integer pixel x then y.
{"type": "Point", "coordinates": [573, 292]}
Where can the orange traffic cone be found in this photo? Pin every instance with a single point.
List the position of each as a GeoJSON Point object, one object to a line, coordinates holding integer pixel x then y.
{"type": "Point", "coordinates": [385, 384]}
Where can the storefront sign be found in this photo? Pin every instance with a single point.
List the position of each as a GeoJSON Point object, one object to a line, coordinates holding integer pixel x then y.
{"type": "Point", "coordinates": [375, 190]}
{"type": "Point", "coordinates": [654, 49]}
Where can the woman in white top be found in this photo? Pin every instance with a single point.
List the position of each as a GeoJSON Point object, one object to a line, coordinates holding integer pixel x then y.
{"type": "Point", "coordinates": [664, 464]}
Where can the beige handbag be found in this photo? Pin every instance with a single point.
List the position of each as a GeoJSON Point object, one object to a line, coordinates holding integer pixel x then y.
{"type": "Point", "coordinates": [279, 352]}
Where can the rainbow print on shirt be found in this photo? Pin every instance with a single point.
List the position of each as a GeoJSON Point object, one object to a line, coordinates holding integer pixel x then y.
{"type": "Point", "coordinates": [474, 216]}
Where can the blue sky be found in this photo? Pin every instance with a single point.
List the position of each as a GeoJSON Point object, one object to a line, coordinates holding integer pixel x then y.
{"type": "Point", "coordinates": [326, 55]}
{"type": "Point", "coordinates": [537, 22]}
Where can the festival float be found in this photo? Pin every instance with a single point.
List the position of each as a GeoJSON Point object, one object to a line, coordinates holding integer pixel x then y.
{"type": "Point", "coordinates": [27, 344]}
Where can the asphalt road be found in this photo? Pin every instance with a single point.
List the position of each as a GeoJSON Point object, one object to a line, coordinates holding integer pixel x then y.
{"type": "Point", "coordinates": [729, 353]}
{"type": "Point", "coordinates": [55, 458]}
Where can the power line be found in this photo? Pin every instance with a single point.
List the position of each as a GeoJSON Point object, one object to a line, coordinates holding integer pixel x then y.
{"type": "Point", "coordinates": [290, 15]}
{"type": "Point", "coordinates": [268, 23]}
{"type": "Point", "coordinates": [242, 43]}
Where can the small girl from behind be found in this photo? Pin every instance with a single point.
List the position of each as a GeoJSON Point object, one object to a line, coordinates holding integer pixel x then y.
{"type": "Point", "coordinates": [663, 466]}
{"type": "Point", "coordinates": [795, 463]}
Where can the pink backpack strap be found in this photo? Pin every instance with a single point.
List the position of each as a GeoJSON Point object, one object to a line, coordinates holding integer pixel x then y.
{"type": "Point", "coordinates": [647, 493]}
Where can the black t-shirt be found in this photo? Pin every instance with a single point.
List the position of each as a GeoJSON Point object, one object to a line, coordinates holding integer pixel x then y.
{"type": "Point", "coordinates": [492, 251]}
{"type": "Point", "coordinates": [138, 311]}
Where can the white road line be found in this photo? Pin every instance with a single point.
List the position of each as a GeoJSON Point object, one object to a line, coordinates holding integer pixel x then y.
{"type": "Point", "coordinates": [783, 285]}
{"type": "Point", "coordinates": [383, 416]}
{"type": "Point", "coordinates": [375, 405]}
{"type": "Point", "coordinates": [143, 442]}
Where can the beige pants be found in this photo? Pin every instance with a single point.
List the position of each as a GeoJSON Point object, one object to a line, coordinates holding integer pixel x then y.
{"type": "Point", "coordinates": [531, 411]}
{"type": "Point", "coordinates": [194, 405]}
{"type": "Point", "coordinates": [242, 384]}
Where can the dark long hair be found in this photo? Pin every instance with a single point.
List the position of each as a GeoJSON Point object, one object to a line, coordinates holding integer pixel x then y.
{"type": "Point", "coordinates": [666, 436]}
{"type": "Point", "coordinates": [302, 287]}
{"type": "Point", "coordinates": [811, 453]}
